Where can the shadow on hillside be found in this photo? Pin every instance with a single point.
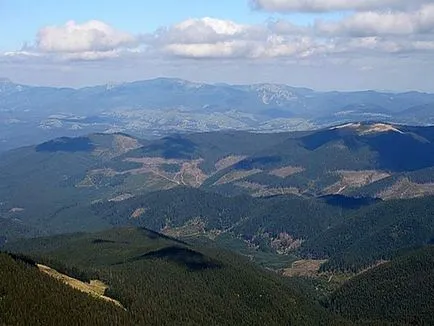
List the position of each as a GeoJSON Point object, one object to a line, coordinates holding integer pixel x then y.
{"type": "Point", "coordinates": [66, 144]}
{"type": "Point", "coordinates": [188, 258]}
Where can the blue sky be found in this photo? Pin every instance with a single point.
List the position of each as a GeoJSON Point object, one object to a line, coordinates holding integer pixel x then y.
{"type": "Point", "coordinates": [21, 19]}
{"type": "Point", "coordinates": [323, 44]}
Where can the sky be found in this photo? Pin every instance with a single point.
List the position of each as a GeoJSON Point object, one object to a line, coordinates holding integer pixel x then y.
{"type": "Point", "coordinates": [321, 44]}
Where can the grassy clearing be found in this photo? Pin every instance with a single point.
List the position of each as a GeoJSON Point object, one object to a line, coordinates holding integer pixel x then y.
{"type": "Point", "coordinates": [307, 268]}
{"type": "Point", "coordinates": [95, 288]}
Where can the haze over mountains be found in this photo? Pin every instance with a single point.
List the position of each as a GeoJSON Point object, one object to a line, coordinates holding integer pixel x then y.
{"type": "Point", "coordinates": [277, 170]}
{"type": "Point", "coordinates": [194, 188]}
{"type": "Point", "coordinates": [339, 211]}
{"type": "Point", "coordinates": [238, 184]}
{"type": "Point", "coordinates": [153, 108]}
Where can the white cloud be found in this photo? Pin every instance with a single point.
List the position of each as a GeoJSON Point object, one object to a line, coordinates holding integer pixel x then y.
{"type": "Point", "coordinates": [93, 35]}
{"type": "Point", "coordinates": [370, 33]}
{"type": "Point", "coordinates": [92, 40]}
{"type": "Point", "coordinates": [334, 5]}
{"type": "Point", "coordinates": [283, 27]}
{"type": "Point", "coordinates": [381, 23]}
{"type": "Point", "coordinates": [370, 46]}
{"type": "Point", "coordinates": [214, 38]}
{"type": "Point", "coordinates": [218, 26]}
{"type": "Point", "coordinates": [21, 53]}
{"type": "Point", "coordinates": [362, 47]}
{"type": "Point", "coordinates": [207, 30]}
{"type": "Point", "coordinates": [227, 49]}
{"type": "Point", "coordinates": [91, 55]}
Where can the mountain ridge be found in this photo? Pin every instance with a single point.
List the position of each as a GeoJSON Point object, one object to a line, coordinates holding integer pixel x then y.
{"type": "Point", "coordinates": [161, 106]}
{"type": "Point", "coordinates": [66, 178]}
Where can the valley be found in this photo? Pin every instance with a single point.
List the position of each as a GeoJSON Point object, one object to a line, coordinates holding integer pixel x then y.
{"type": "Point", "coordinates": [315, 211]}
{"type": "Point", "coordinates": [160, 280]}
{"type": "Point", "coordinates": [217, 163]}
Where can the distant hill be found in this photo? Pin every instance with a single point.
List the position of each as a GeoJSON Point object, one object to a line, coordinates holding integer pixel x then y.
{"type": "Point", "coordinates": [39, 183]}
{"type": "Point", "coordinates": [186, 211]}
{"type": "Point", "coordinates": [13, 229]}
{"type": "Point", "coordinates": [161, 281]}
{"type": "Point", "coordinates": [332, 160]}
{"type": "Point", "coordinates": [51, 186]}
{"type": "Point", "coordinates": [411, 184]}
{"type": "Point", "coordinates": [375, 233]}
{"type": "Point", "coordinates": [418, 113]}
{"type": "Point", "coordinates": [398, 292]}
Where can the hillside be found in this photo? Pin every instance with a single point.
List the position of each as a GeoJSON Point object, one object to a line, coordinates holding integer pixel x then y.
{"type": "Point", "coordinates": [399, 292]}
{"type": "Point", "coordinates": [327, 203]}
{"type": "Point", "coordinates": [29, 297]}
{"type": "Point", "coordinates": [65, 176]}
{"type": "Point", "coordinates": [412, 184]}
{"type": "Point", "coordinates": [333, 160]}
{"type": "Point", "coordinates": [161, 281]}
{"type": "Point", "coordinates": [40, 184]}
{"type": "Point", "coordinates": [11, 229]}
{"type": "Point", "coordinates": [375, 233]}
{"type": "Point", "coordinates": [278, 223]}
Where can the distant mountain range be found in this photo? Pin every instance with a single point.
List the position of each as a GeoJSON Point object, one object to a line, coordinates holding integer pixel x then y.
{"type": "Point", "coordinates": [154, 108]}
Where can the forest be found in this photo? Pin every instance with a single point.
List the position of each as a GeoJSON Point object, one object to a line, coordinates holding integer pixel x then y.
{"type": "Point", "coordinates": [162, 281]}
{"type": "Point", "coordinates": [399, 291]}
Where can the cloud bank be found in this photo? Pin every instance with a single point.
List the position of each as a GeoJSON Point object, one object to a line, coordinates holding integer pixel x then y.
{"type": "Point", "coordinates": [374, 31]}
{"type": "Point", "coordinates": [370, 37]}
{"type": "Point", "coordinates": [317, 6]}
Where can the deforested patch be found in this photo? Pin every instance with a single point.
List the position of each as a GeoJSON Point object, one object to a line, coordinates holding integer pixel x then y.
{"type": "Point", "coordinates": [286, 171]}
{"type": "Point", "coordinates": [228, 161]}
{"type": "Point", "coordinates": [235, 176]}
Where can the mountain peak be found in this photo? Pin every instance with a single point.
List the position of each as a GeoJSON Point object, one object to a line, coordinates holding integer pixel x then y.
{"type": "Point", "coordinates": [368, 128]}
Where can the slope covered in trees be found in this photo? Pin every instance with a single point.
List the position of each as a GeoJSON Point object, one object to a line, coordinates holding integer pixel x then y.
{"type": "Point", "coordinates": [241, 215]}
{"type": "Point", "coordinates": [49, 186]}
{"type": "Point", "coordinates": [399, 292]}
{"type": "Point", "coordinates": [12, 229]}
{"type": "Point", "coordinates": [161, 281]}
{"type": "Point", "coordinates": [374, 233]}
{"type": "Point", "coordinates": [29, 297]}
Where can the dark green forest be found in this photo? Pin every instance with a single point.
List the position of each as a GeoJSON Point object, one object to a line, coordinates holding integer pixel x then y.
{"type": "Point", "coordinates": [243, 214]}
{"type": "Point", "coordinates": [161, 281]}
{"type": "Point", "coordinates": [28, 297]}
{"type": "Point", "coordinates": [283, 198]}
{"type": "Point", "coordinates": [377, 232]}
{"type": "Point", "coordinates": [399, 292]}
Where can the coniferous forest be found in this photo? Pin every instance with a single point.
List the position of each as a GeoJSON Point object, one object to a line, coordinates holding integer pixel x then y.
{"type": "Point", "coordinates": [158, 280]}
{"type": "Point", "coordinates": [327, 227]}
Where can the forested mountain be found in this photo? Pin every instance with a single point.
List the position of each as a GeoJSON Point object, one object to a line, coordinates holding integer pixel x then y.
{"type": "Point", "coordinates": [162, 281]}
{"type": "Point", "coordinates": [246, 215]}
{"type": "Point", "coordinates": [375, 233]}
{"type": "Point", "coordinates": [253, 186]}
{"type": "Point", "coordinates": [398, 292]}
{"type": "Point", "coordinates": [64, 174]}
{"type": "Point", "coordinates": [329, 204]}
